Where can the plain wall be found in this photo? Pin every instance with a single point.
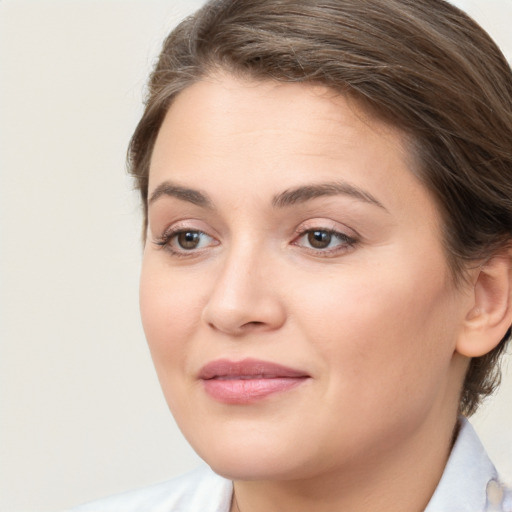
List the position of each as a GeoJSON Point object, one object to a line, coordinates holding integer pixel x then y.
{"type": "Point", "coordinates": [81, 412]}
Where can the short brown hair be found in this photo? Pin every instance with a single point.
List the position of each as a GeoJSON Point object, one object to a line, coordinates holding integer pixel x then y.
{"type": "Point", "coordinates": [423, 65]}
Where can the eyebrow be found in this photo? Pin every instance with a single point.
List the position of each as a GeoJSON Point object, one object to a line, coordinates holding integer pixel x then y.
{"type": "Point", "coordinates": [307, 192]}
{"type": "Point", "coordinates": [185, 194]}
{"type": "Point", "coordinates": [289, 197]}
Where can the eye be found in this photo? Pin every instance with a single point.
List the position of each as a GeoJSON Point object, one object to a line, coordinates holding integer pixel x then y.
{"type": "Point", "coordinates": [319, 239]}
{"type": "Point", "coordinates": [189, 240]}
{"type": "Point", "coordinates": [183, 241]}
{"type": "Point", "coordinates": [325, 240]}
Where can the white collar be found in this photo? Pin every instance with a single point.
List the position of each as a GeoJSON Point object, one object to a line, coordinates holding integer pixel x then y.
{"type": "Point", "coordinates": [470, 481]}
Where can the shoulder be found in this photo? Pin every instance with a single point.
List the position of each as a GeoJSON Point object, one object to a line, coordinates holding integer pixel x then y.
{"type": "Point", "coordinates": [200, 490]}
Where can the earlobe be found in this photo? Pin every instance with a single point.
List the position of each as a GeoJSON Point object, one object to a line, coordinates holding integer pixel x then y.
{"type": "Point", "coordinates": [490, 316]}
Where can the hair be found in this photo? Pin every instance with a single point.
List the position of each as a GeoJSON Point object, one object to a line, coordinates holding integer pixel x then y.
{"type": "Point", "coordinates": [422, 65]}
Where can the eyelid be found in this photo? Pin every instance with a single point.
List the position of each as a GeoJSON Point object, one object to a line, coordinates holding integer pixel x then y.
{"type": "Point", "coordinates": [346, 241]}
{"type": "Point", "coordinates": [164, 240]}
{"type": "Point", "coordinates": [186, 224]}
{"type": "Point", "coordinates": [344, 244]}
{"type": "Point", "coordinates": [325, 224]}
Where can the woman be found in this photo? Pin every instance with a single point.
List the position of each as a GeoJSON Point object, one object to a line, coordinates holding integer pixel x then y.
{"type": "Point", "coordinates": [326, 277]}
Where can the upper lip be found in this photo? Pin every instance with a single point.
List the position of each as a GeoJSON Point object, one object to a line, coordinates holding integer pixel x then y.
{"type": "Point", "coordinates": [248, 369]}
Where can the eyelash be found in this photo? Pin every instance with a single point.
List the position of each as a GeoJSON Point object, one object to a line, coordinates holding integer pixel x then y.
{"type": "Point", "coordinates": [345, 242]}
{"type": "Point", "coordinates": [165, 242]}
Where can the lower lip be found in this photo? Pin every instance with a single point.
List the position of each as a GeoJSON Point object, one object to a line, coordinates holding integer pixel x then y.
{"type": "Point", "coordinates": [246, 391]}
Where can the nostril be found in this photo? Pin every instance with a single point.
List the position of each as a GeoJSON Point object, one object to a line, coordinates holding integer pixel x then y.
{"type": "Point", "coordinates": [239, 314]}
{"type": "Point", "coordinates": [252, 326]}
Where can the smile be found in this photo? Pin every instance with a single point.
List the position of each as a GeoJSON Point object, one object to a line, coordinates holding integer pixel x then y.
{"type": "Point", "coordinates": [249, 380]}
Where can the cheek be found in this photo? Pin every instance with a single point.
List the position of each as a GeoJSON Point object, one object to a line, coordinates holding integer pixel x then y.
{"type": "Point", "coordinates": [378, 334]}
{"type": "Point", "coordinates": [170, 312]}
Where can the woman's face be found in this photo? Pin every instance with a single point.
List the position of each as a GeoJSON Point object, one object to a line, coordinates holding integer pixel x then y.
{"type": "Point", "coordinates": [294, 293]}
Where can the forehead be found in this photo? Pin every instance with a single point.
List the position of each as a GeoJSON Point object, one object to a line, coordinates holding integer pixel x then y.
{"type": "Point", "coordinates": [221, 109]}
{"type": "Point", "coordinates": [263, 135]}
{"type": "Point", "coordinates": [219, 95]}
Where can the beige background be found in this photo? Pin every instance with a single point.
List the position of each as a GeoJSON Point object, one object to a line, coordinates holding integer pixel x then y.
{"type": "Point", "coordinates": [81, 413]}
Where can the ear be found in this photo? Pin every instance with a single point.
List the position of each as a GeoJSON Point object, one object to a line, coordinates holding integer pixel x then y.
{"type": "Point", "coordinates": [490, 316]}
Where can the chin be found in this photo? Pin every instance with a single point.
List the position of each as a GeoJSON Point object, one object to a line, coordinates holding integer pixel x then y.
{"type": "Point", "coordinates": [255, 468]}
{"type": "Point", "coordinates": [244, 458]}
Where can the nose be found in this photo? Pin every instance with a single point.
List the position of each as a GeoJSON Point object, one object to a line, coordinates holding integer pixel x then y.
{"type": "Point", "coordinates": [245, 297]}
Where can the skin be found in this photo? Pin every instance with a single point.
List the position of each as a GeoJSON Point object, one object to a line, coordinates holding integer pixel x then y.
{"type": "Point", "coordinates": [374, 318]}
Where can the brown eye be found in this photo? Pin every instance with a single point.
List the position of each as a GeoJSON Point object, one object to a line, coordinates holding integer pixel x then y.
{"type": "Point", "coordinates": [319, 239]}
{"type": "Point", "coordinates": [186, 242]}
{"type": "Point", "coordinates": [325, 242]}
{"type": "Point", "coordinates": [188, 239]}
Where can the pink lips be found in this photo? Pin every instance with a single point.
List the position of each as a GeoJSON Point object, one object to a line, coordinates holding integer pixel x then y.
{"type": "Point", "coordinates": [249, 380]}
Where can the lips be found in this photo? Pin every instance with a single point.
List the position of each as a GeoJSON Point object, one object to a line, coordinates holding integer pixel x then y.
{"type": "Point", "coordinates": [249, 380]}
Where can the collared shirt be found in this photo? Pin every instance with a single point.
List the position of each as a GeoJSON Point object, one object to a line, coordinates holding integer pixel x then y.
{"type": "Point", "coordinates": [469, 483]}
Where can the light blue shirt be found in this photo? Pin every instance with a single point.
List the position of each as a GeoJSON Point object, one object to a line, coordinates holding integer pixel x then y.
{"type": "Point", "coordinates": [469, 483]}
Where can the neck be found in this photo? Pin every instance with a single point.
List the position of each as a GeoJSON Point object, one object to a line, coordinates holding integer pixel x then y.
{"type": "Point", "coordinates": [401, 478]}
